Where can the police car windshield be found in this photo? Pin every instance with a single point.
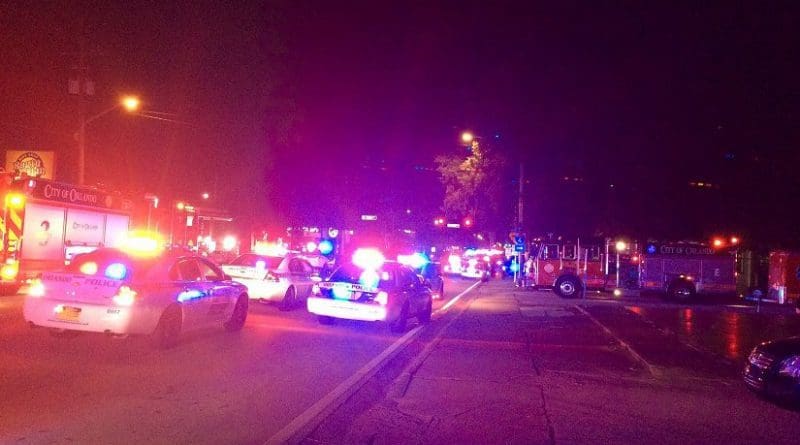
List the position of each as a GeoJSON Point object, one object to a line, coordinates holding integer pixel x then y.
{"type": "Point", "coordinates": [252, 260]}
{"type": "Point", "coordinates": [352, 274]}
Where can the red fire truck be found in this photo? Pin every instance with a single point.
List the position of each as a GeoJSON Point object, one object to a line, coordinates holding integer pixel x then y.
{"type": "Point", "coordinates": [684, 269]}
{"type": "Point", "coordinates": [44, 223]}
{"type": "Point", "coordinates": [677, 270]}
{"type": "Point", "coordinates": [572, 265]}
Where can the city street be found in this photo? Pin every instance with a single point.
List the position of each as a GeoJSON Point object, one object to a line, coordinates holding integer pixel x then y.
{"type": "Point", "coordinates": [500, 365]}
{"type": "Point", "coordinates": [213, 388]}
{"type": "Point", "coordinates": [528, 367]}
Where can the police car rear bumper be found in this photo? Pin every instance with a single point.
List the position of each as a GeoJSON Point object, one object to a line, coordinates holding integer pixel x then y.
{"type": "Point", "coordinates": [86, 317]}
{"type": "Point", "coordinates": [349, 310]}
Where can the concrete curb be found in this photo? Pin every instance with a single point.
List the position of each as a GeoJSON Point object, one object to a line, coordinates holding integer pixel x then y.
{"type": "Point", "coordinates": [305, 423]}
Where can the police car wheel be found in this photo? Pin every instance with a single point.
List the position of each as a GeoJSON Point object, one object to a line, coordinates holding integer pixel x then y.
{"type": "Point", "coordinates": [567, 287]}
{"type": "Point", "coordinates": [239, 315]}
{"type": "Point", "coordinates": [289, 299]}
{"type": "Point", "coordinates": [168, 329]}
{"type": "Point", "coordinates": [425, 315]}
{"type": "Point", "coordinates": [399, 325]}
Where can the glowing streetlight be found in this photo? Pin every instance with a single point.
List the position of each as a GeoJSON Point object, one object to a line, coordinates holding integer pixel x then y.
{"type": "Point", "coordinates": [180, 206]}
{"type": "Point", "coordinates": [130, 103]}
{"type": "Point", "coordinates": [621, 246]}
{"type": "Point", "coordinates": [467, 137]}
{"type": "Point", "coordinates": [205, 195]}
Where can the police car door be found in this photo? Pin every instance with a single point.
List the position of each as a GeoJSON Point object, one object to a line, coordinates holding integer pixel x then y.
{"type": "Point", "coordinates": [185, 273]}
{"type": "Point", "coordinates": [301, 271]}
{"type": "Point", "coordinates": [218, 291]}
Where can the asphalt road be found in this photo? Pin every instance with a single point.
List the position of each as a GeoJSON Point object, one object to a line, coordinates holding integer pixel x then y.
{"type": "Point", "coordinates": [214, 388]}
{"type": "Point", "coordinates": [526, 367]}
{"type": "Point", "coordinates": [500, 365]}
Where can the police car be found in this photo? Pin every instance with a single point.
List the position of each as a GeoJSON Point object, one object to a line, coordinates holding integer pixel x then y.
{"type": "Point", "coordinates": [371, 289]}
{"type": "Point", "coordinates": [285, 279]}
{"type": "Point", "coordinates": [118, 292]}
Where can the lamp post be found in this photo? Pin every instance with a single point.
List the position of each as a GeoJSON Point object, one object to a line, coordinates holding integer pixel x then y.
{"type": "Point", "coordinates": [129, 103]}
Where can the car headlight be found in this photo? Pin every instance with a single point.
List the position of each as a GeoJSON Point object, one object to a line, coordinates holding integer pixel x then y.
{"type": "Point", "coordinates": [790, 367]}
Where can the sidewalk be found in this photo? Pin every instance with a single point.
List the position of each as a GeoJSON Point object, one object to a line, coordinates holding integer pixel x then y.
{"type": "Point", "coordinates": [521, 367]}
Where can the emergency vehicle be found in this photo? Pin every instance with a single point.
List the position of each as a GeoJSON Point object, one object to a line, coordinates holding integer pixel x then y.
{"type": "Point", "coordinates": [570, 266]}
{"type": "Point", "coordinates": [784, 276]}
{"type": "Point", "coordinates": [44, 223]}
{"type": "Point", "coordinates": [676, 270]}
{"type": "Point", "coordinates": [683, 270]}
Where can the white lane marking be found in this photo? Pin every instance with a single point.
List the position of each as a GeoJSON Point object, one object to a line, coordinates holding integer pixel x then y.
{"type": "Point", "coordinates": [456, 298]}
{"type": "Point", "coordinates": [650, 368]}
{"type": "Point", "coordinates": [306, 422]}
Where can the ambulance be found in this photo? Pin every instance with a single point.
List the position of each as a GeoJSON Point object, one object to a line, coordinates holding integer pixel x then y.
{"type": "Point", "coordinates": [44, 223]}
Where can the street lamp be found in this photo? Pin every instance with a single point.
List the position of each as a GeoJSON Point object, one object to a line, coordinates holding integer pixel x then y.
{"type": "Point", "coordinates": [129, 103]}
{"type": "Point", "coordinates": [467, 137]}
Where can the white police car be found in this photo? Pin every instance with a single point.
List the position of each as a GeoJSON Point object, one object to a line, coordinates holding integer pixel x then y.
{"type": "Point", "coordinates": [117, 292]}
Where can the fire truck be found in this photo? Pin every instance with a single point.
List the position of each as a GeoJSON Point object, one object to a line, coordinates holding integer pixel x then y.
{"type": "Point", "coordinates": [678, 271]}
{"type": "Point", "coordinates": [571, 266]}
{"type": "Point", "coordinates": [683, 270]}
{"type": "Point", "coordinates": [44, 223]}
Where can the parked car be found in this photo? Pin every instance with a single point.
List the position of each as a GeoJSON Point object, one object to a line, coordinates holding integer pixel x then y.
{"type": "Point", "coordinates": [285, 279]}
{"type": "Point", "coordinates": [773, 370]}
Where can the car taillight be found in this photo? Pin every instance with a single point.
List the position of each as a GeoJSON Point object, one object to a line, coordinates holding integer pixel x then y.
{"type": "Point", "coordinates": [272, 277]}
{"type": "Point", "coordinates": [36, 288]}
{"type": "Point", "coordinates": [315, 290]}
{"type": "Point", "coordinates": [125, 296]}
{"type": "Point", "coordinates": [382, 298]}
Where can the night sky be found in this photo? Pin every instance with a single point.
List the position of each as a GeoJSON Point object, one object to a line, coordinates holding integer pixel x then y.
{"type": "Point", "coordinates": [312, 111]}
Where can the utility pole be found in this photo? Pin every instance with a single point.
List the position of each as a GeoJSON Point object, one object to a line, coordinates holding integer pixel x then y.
{"type": "Point", "coordinates": [519, 200]}
{"type": "Point", "coordinates": [81, 87]}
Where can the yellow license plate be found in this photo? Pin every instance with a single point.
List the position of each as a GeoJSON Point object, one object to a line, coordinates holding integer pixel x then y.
{"type": "Point", "coordinates": [68, 313]}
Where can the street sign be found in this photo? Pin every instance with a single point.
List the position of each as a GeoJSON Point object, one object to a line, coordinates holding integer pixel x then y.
{"type": "Point", "coordinates": [519, 247]}
{"type": "Point", "coordinates": [369, 217]}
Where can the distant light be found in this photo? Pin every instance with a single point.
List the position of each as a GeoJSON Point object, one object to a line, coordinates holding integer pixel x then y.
{"type": "Point", "coordinates": [651, 249]}
{"type": "Point", "coordinates": [453, 226]}
{"type": "Point", "coordinates": [415, 260]}
{"type": "Point", "coordinates": [468, 222]}
{"type": "Point", "coordinates": [408, 211]}
{"type": "Point", "coordinates": [734, 240]}
{"type": "Point", "coordinates": [368, 258]}
{"type": "Point", "coordinates": [325, 247]}
{"type": "Point", "coordinates": [311, 246]}
{"type": "Point", "coordinates": [467, 137]}
{"type": "Point", "coordinates": [180, 206]}
{"type": "Point", "coordinates": [621, 246]}
{"type": "Point", "coordinates": [718, 242]}
{"type": "Point", "coordinates": [229, 242]}
{"type": "Point", "coordinates": [617, 293]}
{"type": "Point", "coordinates": [333, 233]}
{"type": "Point", "coordinates": [369, 217]}
{"type": "Point", "coordinates": [205, 195]}
{"type": "Point", "coordinates": [131, 103]}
